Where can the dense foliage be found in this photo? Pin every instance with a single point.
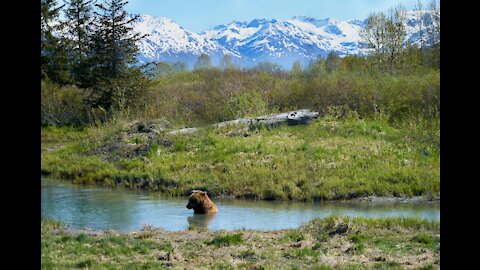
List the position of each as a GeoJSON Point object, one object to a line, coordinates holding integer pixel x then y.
{"type": "Point", "coordinates": [212, 95]}
{"type": "Point", "coordinates": [94, 48]}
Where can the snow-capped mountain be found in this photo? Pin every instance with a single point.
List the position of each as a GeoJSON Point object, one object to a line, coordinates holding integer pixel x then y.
{"type": "Point", "coordinates": [168, 41]}
{"type": "Point", "coordinates": [299, 38]}
{"type": "Point", "coordinates": [279, 41]}
{"type": "Point", "coordinates": [413, 22]}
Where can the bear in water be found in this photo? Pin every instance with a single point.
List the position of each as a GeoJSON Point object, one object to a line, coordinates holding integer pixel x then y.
{"type": "Point", "coordinates": [201, 203]}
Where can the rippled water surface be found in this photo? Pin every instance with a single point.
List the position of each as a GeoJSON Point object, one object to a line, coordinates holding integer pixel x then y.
{"type": "Point", "coordinates": [120, 209]}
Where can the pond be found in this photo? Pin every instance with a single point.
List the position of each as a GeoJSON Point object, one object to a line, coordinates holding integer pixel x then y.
{"type": "Point", "coordinates": [125, 210]}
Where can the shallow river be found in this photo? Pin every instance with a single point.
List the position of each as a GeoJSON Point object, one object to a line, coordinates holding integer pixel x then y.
{"type": "Point", "coordinates": [120, 209]}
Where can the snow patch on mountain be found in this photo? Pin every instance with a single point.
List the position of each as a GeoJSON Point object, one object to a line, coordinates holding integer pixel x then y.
{"type": "Point", "coordinates": [168, 41]}
{"type": "Point", "coordinates": [280, 41]}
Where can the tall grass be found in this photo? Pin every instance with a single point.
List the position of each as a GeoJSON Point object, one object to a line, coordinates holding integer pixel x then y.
{"type": "Point", "coordinates": [218, 95]}
{"type": "Point", "coordinates": [212, 95]}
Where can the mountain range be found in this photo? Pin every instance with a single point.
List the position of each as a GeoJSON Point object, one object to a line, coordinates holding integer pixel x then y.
{"type": "Point", "coordinates": [248, 43]}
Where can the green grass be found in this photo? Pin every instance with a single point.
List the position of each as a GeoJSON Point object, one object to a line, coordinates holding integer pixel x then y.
{"type": "Point", "coordinates": [293, 236]}
{"type": "Point", "coordinates": [331, 158]}
{"type": "Point", "coordinates": [409, 243]}
{"type": "Point", "coordinates": [226, 240]}
{"type": "Point", "coordinates": [359, 242]}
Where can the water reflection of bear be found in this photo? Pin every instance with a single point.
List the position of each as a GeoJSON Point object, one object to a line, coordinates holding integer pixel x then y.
{"type": "Point", "coordinates": [204, 210]}
{"type": "Point", "coordinates": [200, 221]}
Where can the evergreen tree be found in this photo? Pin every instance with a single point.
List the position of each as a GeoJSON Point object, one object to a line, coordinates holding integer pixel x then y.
{"type": "Point", "coordinates": [113, 41]}
{"type": "Point", "coordinates": [80, 17]}
{"type": "Point", "coordinates": [54, 58]}
{"type": "Point", "coordinates": [113, 48]}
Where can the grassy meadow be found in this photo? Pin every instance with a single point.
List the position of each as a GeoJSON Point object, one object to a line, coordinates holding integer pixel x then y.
{"type": "Point", "coordinates": [333, 157]}
{"type": "Point", "coordinates": [378, 133]}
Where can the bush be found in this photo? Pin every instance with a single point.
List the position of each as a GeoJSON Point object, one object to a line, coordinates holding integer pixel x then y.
{"type": "Point", "coordinates": [249, 104]}
{"type": "Point", "coordinates": [62, 105]}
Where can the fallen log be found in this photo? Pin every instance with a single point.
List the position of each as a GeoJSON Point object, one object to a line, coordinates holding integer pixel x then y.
{"type": "Point", "coordinates": [292, 118]}
{"type": "Point", "coordinates": [303, 116]}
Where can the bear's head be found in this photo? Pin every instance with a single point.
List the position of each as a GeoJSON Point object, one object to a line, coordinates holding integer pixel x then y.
{"type": "Point", "coordinates": [201, 203]}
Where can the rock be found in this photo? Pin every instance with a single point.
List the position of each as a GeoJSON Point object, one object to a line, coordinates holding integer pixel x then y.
{"type": "Point", "coordinates": [296, 245]}
{"type": "Point", "coordinates": [339, 229]}
{"type": "Point", "coordinates": [163, 256]}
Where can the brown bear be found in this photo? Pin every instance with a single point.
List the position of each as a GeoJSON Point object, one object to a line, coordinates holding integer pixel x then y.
{"type": "Point", "coordinates": [201, 203]}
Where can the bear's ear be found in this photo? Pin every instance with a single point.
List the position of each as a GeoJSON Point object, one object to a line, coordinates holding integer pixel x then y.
{"type": "Point", "coordinates": [203, 193]}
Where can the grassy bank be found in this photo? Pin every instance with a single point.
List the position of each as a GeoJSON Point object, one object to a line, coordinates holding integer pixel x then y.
{"type": "Point", "coordinates": [338, 156]}
{"type": "Point", "coordinates": [330, 243]}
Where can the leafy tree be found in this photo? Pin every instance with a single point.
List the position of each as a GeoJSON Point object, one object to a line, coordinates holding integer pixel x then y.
{"type": "Point", "coordinates": [162, 69]}
{"type": "Point", "coordinates": [165, 68]}
{"type": "Point", "coordinates": [226, 62]}
{"type": "Point", "coordinates": [179, 66]}
{"type": "Point", "coordinates": [354, 63]}
{"type": "Point", "coordinates": [268, 67]}
{"type": "Point", "coordinates": [203, 62]}
{"type": "Point", "coordinates": [435, 29]}
{"type": "Point", "coordinates": [333, 62]}
{"type": "Point", "coordinates": [419, 12]}
{"type": "Point", "coordinates": [395, 36]}
{"type": "Point", "coordinates": [374, 32]}
{"type": "Point", "coordinates": [297, 69]}
{"type": "Point", "coordinates": [386, 34]}
{"type": "Point", "coordinates": [316, 67]}
{"type": "Point", "coordinates": [434, 34]}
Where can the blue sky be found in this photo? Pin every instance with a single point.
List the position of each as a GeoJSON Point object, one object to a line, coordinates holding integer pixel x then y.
{"type": "Point", "coordinates": [200, 15]}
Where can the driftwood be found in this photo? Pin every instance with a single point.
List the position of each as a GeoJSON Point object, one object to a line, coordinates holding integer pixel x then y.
{"type": "Point", "coordinates": [291, 118]}
{"type": "Point", "coordinates": [183, 130]}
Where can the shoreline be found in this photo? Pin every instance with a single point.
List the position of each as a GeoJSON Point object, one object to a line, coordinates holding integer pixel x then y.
{"type": "Point", "coordinates": [368, 198]}
{"type": "Point", "coordinates": [333, 242]}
